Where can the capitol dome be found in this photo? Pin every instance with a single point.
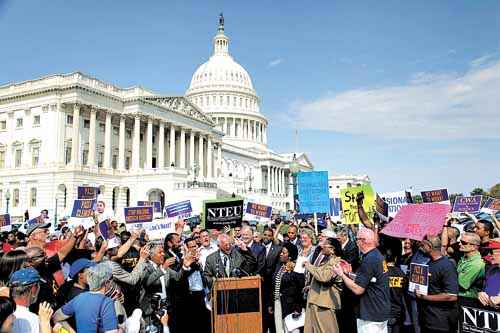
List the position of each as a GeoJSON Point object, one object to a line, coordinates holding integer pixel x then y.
{"type": "Point", "coordinates": [223, 89]}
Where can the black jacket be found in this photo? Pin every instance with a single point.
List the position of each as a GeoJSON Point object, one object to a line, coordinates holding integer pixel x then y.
{"type": "Point", "coordinates": [351, 254]}
{"type": "Point", "coordinates": [291, 287]}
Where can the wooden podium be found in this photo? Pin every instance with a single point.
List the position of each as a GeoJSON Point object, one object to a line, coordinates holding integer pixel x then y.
{"type": "Point", "coordinates": [237, 305]}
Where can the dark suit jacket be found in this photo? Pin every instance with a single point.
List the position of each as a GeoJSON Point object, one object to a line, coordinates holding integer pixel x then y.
{"type": "Point", "coordinates": [291, 297]}
{"type": "Point", "coordinates": [259, 252]}
{"type": "Point", "coordinates": [351, 254]}
{"type": "Point", "coordinates": [214, 267]}
{"type": "Point", "coordinates": [272, 260]}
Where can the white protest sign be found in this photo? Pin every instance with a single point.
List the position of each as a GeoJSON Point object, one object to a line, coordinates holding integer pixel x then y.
{"type": "Point", "coordinates": [395, 200]}
{"type": "Point", "coordinates": [157, 229]}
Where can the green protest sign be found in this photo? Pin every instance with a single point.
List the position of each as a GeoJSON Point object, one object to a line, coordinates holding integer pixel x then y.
{"type": "Point", "coordinates": [349, 206]}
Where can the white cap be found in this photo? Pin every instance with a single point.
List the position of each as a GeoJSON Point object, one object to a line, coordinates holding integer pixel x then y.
{"type": "Point", "coordinates": [329, 233]}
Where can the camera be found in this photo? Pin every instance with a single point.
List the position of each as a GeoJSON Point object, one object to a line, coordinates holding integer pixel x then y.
{"type": "Point", "coordinates": [159, 305]}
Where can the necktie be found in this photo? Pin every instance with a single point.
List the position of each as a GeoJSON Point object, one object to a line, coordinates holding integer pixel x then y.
{"type": "Point", "coordinates": [226, 265]}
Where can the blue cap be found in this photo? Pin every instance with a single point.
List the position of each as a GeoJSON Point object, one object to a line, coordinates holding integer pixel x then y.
{"type": "Point", "coordinates": [79, 265]}
{"type": "Point", "coordinates": [25, 277]}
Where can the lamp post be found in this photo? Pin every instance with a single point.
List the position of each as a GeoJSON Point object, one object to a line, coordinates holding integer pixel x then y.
{"type": "Point", "coordinates": [7, 199]}
{"type": "Point", "coordinates": [294, 169]}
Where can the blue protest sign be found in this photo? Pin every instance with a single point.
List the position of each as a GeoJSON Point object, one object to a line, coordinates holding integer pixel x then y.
{"type": "Point", "coordinates": [155, 204]}
{"type": "Point", "coordinates": [83, 208]}
{"type": "Point", "coordinates": [313, 192]}
{"type": "Point", "coordinates": [335, 207]}
{"type": "Point", "coordinates": [182, 208]}
{"type": "Point", "coordinates": [259, 210]}
{"type": "Point", "coordinates": [87, 192]}
{"type": "Point", "coordinates": [470, 204]}
{"type": "Point", "coordinates": [138, 214]}
{"type": "Point", "coordinates": [4, 220]}
{"type": "Point", "coordinates": [435, 195]}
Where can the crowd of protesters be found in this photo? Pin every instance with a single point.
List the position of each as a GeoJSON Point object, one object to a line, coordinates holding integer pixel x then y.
{"type": "Point", "coordinates": [340, 278]}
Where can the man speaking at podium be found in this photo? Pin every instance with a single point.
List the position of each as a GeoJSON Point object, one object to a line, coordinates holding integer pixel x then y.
{"type": "Point", "coordinates": [229, 261]}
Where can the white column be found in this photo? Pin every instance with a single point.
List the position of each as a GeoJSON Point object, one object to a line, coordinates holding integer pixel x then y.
{"type": "Point", "coordinates": [233, 126]}
{"type": "Point", "coordinates": [61, 135]}
{"type": "Point", "coordinates": [191, 149]}
{"type": "Point", "coordinates": [225, 126]}
{"type": "Point", "coordinates": [136, 145]}
{"type": "Point", "coordinates": [269, 180]}
{"type": "Point", "coordinates": [200, 155]}
{"type": "Point", "coordinates": [107, 142]}
{"type": "Point", "coordinates": [161, 145]}
{"type": "Point", "coordinates": [210, 151]}
{"type": "Point", "coordinates": [121, 144]}
{"type": "Point", "coordinates": [265, 134]}
{"type": "Point", "coordinates": [219, 158]}
{"type": "Point", "coordinates": [183, 148]}
{"type": "Point", "coordinates": [254, 131]}
{"type": "Point", "coordinates": [172, 144]}
{"type": "Point", "coordinates": [91, 157]}
{"type": "Point", "coordinates": [149, 144]}
{"type": "Point", "coordinates": [75, 140]}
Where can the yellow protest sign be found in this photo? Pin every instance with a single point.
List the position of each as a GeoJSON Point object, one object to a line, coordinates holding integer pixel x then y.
{"type": "Point", "coordinates": [350, 207]}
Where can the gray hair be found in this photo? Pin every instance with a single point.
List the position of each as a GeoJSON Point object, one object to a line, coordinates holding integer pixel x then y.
{"type": "Point", "coordinates": [98, 275]}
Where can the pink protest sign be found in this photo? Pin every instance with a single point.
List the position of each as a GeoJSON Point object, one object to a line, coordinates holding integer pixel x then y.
{"type": "Point", "coordinates": [416, 221]}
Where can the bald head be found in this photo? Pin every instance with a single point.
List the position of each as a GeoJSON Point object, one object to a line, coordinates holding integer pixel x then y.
{"type": "Point", "coordinates": [224, 242]}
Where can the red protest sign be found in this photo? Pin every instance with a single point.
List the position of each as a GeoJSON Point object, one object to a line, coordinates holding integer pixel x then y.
{"type": "Point", "coordinates": [416, 221]}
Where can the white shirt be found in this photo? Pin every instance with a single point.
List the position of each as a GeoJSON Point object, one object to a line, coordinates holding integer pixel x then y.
{"type": "Point", "coordinates": [26, 321]}
{"type": "Point", "coordinates": [268, 248]}
{"type": "Point", "coordinates": [205, 252]}
{"type": "Point", "coordinates": [345, 243]}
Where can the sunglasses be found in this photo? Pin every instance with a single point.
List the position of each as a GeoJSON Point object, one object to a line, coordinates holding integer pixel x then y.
{"type": "Point", "coordinates": [466, 243]}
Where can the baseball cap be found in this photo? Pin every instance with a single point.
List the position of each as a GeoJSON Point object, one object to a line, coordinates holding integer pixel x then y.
{"type": "Point", "coordinates": [329, 233]}
{"type": "Point", "coordinates": [33, 227]}
{"type": "Point", "coordinates": [25, 277]}
{"type": "Point", "coordinates": [79, 265]}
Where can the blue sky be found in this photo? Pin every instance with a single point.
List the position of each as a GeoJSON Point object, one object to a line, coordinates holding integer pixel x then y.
{"type": "Point", "coordinates": [406, 92]}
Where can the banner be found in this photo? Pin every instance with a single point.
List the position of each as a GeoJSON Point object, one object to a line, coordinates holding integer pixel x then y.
{"type": "Point", "coordinates": [155, 204]}
{"type": "Point", "coordinates": [5, 222]}
{"type": "Point", "coordinates": [478, 319]}
{"type": "Point", "coordinates": [414, 221]}
{"type": "Point", "coordinates": [179, 209]}
{"type": "Point", "coordinates": [259, 210]}
{"type": "Point", "coordinates": [219, 213]}
{"type": "Point", "coordinates": [419, 278]}
{"type": "Point", "coordinates": [395, 200]}
{"type": "Point", "coordinates": [87, 192]}
{"type": "Point", "coordinates": [491, 205]}
{"type": "Point", "coordinates": [313, 192]}
{"type": "Point", "coordinates": [335, 207]}
{"type": "Point", "coordinates": [349, 205]}
{"type": "Point", "coordinates": [83, 208]}
{"type": "Point", "coordinates": [470, 204]}
{"type": "Point", "coordinates": [138, 214]}
{"type": "Point", "coordinates": [435, 195]}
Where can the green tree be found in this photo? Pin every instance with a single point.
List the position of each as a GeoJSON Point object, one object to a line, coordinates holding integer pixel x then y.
{"type": "Point", "coordinates": [478, 191]}
{"type": "Point", "coordinates": [495, 191]}
{"type": "Point", "coordinates": [452, 197]}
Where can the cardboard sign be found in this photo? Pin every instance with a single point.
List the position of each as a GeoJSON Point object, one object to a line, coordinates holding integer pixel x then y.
{"type": "Point", "coordinates": [435, 195]}
{"type": "Point", "coordinates": [83, 208]}
{"type": "Point", "coordinates": [313, 192]}
{"type": "Point", "coordinates": [491, 205]}
{"type": "Point", "coordinates": [259, 210]}
{"type": "Point", "coordinates": [470, 204]}
{"type": "Point", "coordinates": [155, 204]}
{"type": "Point", "coordinates": [179, 209]}
{"type": "Point", "coordinates": [138, 214]}
{"type": "Point", "coordinates": [220, 213]}
{"type": "Point", "coordinates": [87, 192]}
{"type": "Point", "coordinates": [395, 200]}
{"type": "Point", "coordinates": [478, 319]}
{"type": "Point", "coordinates": [417, 220]}
{"type": "Point", "coordinates": [419, 278]}
{"type": "Point", "coordinates": [5, 222]}
{"type": "Point", "coordinates": [349, 205]}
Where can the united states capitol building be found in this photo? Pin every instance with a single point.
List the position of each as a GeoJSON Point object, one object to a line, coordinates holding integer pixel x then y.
{"type": "Point", "coordinates": [67, 130]}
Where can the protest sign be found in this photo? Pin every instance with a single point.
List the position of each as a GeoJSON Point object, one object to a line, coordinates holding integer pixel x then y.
{"type": "Point", "coordinates": [138, 214]}
{"type": "Point", "coordinates": [435, 195]}
{"type": "Point", "coordinates": [259, 210]}
{"type": "Point", "coordinates": [349, 205]}
{"type": "Point", "coordinates": [478, 319]}
{"type": "Point", "coordinates": [381, 206]}
{"type": "Point", "coordinates": [313, 192]}
{"type": "Point", "coordinates": [87, 192]}
{"type": "Point", "coordinates": [335, 208]}
{"type": "Point", "coordinates": [155, 204]}
{"type": "Point", "coordinates": [419, 278]}
{"type": "Point", "coordinates": [414, 221]}
{"type": "Point", "coordinates": [156, 229]}
{"type": "Point", "coordinates": [220, 213]}
{"type": "Point", "coordinates": [491, 205]}
{"type": "Point", "coordinates": [470, 204]}
{"type": "Point", "coordinates": [83, 208]}
{"type": "Point", "coordinates": [395, 200]}
{"type": "Point", "coordinates": [179, 209]}
{"type": "Point", "coordinates": [5, 222]}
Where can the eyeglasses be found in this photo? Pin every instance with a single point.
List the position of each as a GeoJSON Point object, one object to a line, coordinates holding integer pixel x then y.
{"type": "Point", "coordinates": [466, 243]}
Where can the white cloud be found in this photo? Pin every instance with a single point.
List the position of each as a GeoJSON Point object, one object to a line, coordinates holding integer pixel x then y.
{"type": "Point", "coordinates": [481, 60]}
{"type": "Point", "coordinates": [447, 106]}
{"type": "Point", "coordinates": [275, 62]}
